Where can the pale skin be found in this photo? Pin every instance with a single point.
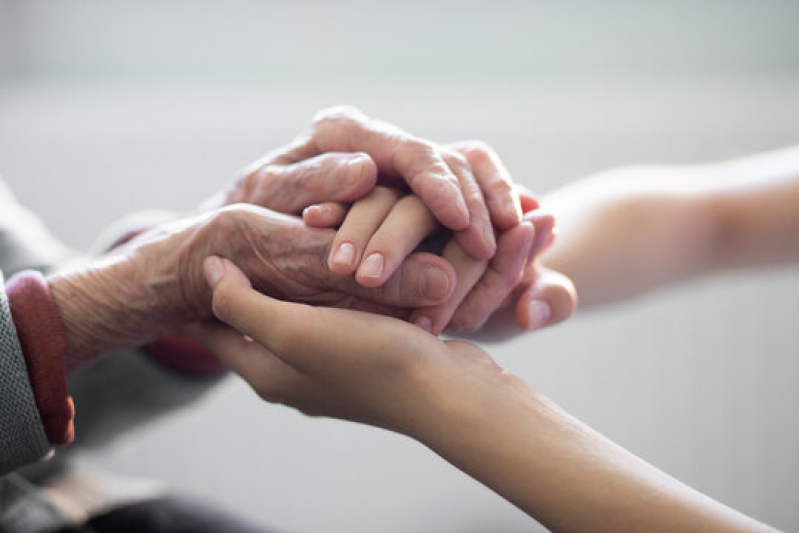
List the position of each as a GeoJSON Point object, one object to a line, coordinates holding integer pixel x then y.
{"type": "Point", "coordinates": [452, 397]}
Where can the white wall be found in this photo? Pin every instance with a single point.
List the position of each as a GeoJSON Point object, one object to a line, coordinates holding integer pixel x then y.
{"type": "Point", "coordinates": [115, 106]}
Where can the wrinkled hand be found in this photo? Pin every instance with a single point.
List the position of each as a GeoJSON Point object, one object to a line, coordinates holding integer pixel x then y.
{"type": "Point", "coordinates": [154, 283]}
{"type": "Point", "coordinates": [442, 177]}
{"type": "Point", "coordinates": [339, 363]}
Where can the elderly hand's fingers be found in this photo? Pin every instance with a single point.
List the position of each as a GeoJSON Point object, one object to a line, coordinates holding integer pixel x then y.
{"type": "Point", "coordinates": [468, 271]}
{"type": "Point", "coordinates": [495, 182]}
{"type": "Point", "coordinates": [407, 225]}
{"type": "Point", "coordinates": [528, 199]}
{"type": "Point", "coordinates": [544, 224]}
{"type": "Point", "coordinates": [501, 277]}
{"type": "Point", "coordinates": [549, 300]}
{"type": "Point", "coordinates": [288, 188]}
{"type": "Point", "coordinates": [360, 223]}
{"type": "Point", "coordinates": [394, 151]}
{"type": "Point", "coordinates": [324, 215]}
{"type": "Point", "coordinates": [478, 239]}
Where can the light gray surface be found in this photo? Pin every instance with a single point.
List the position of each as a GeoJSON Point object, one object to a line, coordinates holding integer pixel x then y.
{"type": "Point", "coordinates": [701, 381]}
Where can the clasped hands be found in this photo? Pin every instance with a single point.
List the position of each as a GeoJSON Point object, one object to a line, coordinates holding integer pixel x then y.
{"type": "Point", "coordinates": [368, 194]}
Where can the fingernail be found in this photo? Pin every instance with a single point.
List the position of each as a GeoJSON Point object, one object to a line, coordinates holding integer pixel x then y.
{"type": "Point", "coordinates": [355, 169]}
{"type": "Point", "coordinates": [214, 269]}
{"type": "Point", "coordinates": [424, 323]}
{"type": "Point", "coordinates": [344, 254]}
{"type": "Point", "coordinates": [436, 284]}
{"type": "Point", "coordinates": [372, 267]}
{"type": "Point", "coordinates": [538, 314]}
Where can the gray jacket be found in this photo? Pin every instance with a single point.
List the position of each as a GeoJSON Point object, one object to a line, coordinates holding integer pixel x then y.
{"type": "Point", "coordinates": [113, 397]}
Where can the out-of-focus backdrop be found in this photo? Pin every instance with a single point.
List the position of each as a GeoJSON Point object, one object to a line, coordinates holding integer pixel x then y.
{"type": "Point", "coordinates": [107, 107]}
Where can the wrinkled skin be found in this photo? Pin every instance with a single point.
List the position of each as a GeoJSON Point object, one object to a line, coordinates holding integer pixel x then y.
{"type": "Point", "coordinates": [155, 284]}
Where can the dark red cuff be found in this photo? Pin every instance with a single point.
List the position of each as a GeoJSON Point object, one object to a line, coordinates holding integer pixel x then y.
{"type": "Point", "coordinates": [183, 356]}
{"type": "Point", "coordinates": [41, 336]}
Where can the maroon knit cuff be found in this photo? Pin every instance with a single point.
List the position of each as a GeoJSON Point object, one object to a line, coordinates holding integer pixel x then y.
{"type": "Point", "coordinates": [183, 356]}
{"type": "Point", "coordinates": [41, 336]}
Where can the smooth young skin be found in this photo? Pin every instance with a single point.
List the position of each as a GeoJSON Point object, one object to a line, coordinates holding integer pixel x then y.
{"type": "Point", "coordinates": [452, 397]}
{"type": "Point", "coordinates": [689, 221]}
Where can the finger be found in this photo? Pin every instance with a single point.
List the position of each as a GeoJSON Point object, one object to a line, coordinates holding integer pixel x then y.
{"type": "Point", "coordinates": [503, 274]}
{"type": "Point", "coordinates": [478, 239]}
{"type": "Point", "coordinates": [324, 215]}
{"type": "Point", "coordinates": [495, 182]}
{"type": "Point", "coordinates": [360, 224]}
{"type": "Point", "coordinates": [407, 225]}
{"type": "Point", "coordinates": [544, 224]}
{"type": "Point", "coordinates": [265, 372]}
{"type": "Point", "coordinates": [422, 280]}
{"type": "Point", "coordinates": [468, 271]}
{"type": "Point", "coordinates": [551, 299]}
{"type": "Point", "coordinates": [302, 336]}
{"type": "Point", "coordinates": [529, 200]}
{"type": "Point", "coordinates": [337, 177]}
{"type": "Point", "coordinates": [395, 152]}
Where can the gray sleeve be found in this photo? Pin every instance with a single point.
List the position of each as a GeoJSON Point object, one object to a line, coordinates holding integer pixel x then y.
{"type": "Point", "coordinates": [22, 437]}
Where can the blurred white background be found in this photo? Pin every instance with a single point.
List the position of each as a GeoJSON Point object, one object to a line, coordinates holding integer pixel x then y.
{"type": "Point", "coordinates": [107, 107]}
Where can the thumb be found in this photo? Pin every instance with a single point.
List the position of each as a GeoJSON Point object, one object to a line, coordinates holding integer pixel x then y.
{"type": "Point", "coordinates": [233, 299]}
{"type": "Point", "coordinates": [548, 300]}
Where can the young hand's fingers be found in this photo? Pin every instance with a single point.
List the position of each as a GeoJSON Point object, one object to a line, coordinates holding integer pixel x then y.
{"type": "Point", "coordinates": [478, 239]}
{"type": "Point", "coordinates": [503, 274]}
{"type": "Point", "coordinates": [422, 280]}
{"type": "Point", "coordinates": [549, 300]}
{"type": "Point", "coordinates": [324, 215]}
{"type": "Point", "coordinates": [337, 177]}
{"type": "Point", "coordinates": [408, 223]}
{"type": "Point", "coordinates": [495, 182]}
{"type": "Point", "coordinates": [264, 371]}
{"type": "Point", "coordinates": [395, 152]}
{"type": "Point", "coordinates": [468, 271]}
{"type": "Point", "coordinates": [360, 223]}
{"type": "Point", "coordinates": [304, 337]}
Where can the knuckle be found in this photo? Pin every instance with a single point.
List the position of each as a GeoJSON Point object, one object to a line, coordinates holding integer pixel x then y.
{"type": "Point", "coordinates": [457, 162]}
{"type": "Point", "coordinates": [415, 147]}
{"type": "Point", "coordinates": [226, 219]}
{"type": "Point", "coordinates": [338, 115]}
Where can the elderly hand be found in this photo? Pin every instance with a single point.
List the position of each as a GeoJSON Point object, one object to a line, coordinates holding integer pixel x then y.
{"type": "Point", "coordinates": [378, 231]}
{"type": "Point", "coordinates": [154, 283]}
{"type": "Point", "coordinates": [441, 177]}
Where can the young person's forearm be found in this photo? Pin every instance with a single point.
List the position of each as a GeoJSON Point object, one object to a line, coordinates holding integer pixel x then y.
{"type": "Point", "coordinates": [625, 232]}
{"type": "Point", "coordinates": [563, 473]}
{"type": "Point", "coordinates": [758, 199]}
